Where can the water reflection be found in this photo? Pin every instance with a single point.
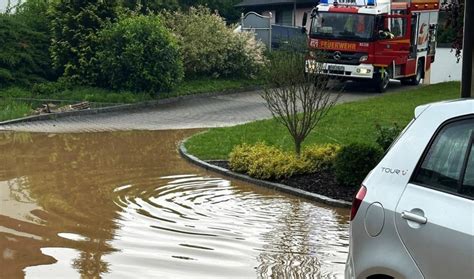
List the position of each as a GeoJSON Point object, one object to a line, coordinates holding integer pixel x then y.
{"type": "Point", "coordinates": [124, 205]}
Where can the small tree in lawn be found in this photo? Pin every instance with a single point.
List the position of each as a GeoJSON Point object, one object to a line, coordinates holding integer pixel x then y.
{"type": "Point", "coordinates": [297, 100]}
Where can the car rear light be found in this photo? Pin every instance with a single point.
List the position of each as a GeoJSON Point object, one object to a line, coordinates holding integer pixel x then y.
{"type": "Point", "coordinates": [357, 201]}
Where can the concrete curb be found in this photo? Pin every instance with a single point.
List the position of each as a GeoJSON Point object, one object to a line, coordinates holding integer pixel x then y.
{"type": "Point", "coordinates": [125, 107]}
{"type": "Point", "coordinates": [276, 186]}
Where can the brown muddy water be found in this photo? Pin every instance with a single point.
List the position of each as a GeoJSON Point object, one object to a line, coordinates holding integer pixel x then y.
{"type": "Point", "coordinates": [125, 205]}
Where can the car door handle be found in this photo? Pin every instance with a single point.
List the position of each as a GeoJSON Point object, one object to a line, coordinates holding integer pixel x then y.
{"type": "Point", "coordinates": [414, 217]}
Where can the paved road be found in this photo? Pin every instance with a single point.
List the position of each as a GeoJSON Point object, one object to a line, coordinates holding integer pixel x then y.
{"type": "Point", "coordinates": [198, 112]}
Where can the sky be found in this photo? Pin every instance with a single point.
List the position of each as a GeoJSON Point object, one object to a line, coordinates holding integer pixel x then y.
{"type": "Point", "coordinates": [3, 4]}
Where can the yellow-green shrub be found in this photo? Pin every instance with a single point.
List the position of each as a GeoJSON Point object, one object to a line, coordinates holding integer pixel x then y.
{"type": "Point", "coordinates": [241, 157]}
{"type": "Point", "coordinates": [265, 162]}
{"type": "Point", "coordinates": [320, 157]}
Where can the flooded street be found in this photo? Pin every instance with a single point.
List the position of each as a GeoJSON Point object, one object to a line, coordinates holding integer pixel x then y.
{"type": "Point", "coordinates": [125, 205]}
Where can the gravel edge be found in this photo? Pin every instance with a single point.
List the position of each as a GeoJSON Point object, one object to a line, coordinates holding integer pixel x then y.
{"type": "Point", "coordinates": [276, 186]}
{"type": "Point", "coordinates": [125, 107]}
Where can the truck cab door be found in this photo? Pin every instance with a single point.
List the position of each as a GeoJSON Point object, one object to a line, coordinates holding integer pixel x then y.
{"type": "Point", "coordinates": [392, 33]}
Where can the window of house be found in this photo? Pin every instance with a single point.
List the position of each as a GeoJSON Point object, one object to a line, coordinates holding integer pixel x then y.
{"type": "Point", "coordinates": [284, 17]}
{"type": "Point", "coordinates": [444, 165]}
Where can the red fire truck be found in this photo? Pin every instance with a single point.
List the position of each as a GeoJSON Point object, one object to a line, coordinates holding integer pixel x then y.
{"type": "Point", "coordinates": [373, 40]}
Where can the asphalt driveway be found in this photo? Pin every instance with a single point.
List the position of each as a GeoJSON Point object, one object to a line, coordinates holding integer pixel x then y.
{"type": "Point", "coordinates": [197, 112]}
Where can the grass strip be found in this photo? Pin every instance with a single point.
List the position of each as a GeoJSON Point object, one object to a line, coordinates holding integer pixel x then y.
{"type": "Point", "coordinates": [12, 106]}
{"type": "Point", "coordinates": [345, 123]}
{"type": "Point", "coordinates": [10, 109]}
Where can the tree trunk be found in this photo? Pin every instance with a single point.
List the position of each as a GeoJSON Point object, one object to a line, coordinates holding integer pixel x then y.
{"type": "Point", "coordinates": [298, 147]}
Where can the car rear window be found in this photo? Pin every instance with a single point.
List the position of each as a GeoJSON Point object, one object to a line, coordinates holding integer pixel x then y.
{"type": "Point", "coordinates": [468, 180]}
{"type": "Point", "coordinates": [449, 165]}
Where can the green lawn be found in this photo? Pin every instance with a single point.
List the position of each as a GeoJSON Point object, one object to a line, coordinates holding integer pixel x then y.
{"type": "Point", "coordinates": [350, 122]}
{"type": "Point", "coordinates": [12, 106]}
{"type": "Point", "coordinates": [11, 109]}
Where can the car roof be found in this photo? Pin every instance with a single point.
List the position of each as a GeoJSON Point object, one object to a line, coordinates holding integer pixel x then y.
{"type": "Point", "coordinates": [446, 109]}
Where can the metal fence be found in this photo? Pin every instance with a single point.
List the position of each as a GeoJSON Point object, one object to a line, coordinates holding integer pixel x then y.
{"type": "Point", "coordinates": [274, 36]}
{"type": "Point", "coordinates": [260, 25]}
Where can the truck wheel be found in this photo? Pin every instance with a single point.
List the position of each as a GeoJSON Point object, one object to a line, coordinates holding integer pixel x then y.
{"type": "Point", "coordinates": [415, 80]}
{"type": "Point", "coordinates": [381, 81]}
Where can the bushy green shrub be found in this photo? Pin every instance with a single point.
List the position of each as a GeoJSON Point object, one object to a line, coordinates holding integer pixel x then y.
{"type": "Point", "coordinates": [209, 47]}
{"type": "Point", "coordinates": [50, 88]}
{"type": "Point", "coordinates": [139, 54]}
{"type": "Point", "coordinates": [24, 56]}
{"type": "Point", "coordinates": [387, 134]}
{"type": "Point", "coordinates": [321, 157]}
{"type": "Point", "coordinates": [265, 162]}
{"type": "Point", "coordinates": [354, 161]}
{"type": "Point", "coordinates": [74, 26]}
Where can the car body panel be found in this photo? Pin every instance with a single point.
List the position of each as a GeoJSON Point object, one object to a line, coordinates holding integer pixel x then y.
{"type": "Point", "coordinates": [386, 253]}
{"type": "Point", "coordinates": [444, 246]}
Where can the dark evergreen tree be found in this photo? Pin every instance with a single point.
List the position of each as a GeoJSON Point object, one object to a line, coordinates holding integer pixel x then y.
{"type": "Point", "coordinates": [74, 25]}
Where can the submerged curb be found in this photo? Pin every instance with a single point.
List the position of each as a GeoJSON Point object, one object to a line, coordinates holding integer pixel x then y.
{"type": "Point", "coordinates": [125, 107]}
{"type": "Point", "coordinates": [276, 186]}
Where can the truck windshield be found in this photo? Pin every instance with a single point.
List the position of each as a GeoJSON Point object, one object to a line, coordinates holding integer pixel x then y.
{"type": "Point", "coordinates": [344, 26]}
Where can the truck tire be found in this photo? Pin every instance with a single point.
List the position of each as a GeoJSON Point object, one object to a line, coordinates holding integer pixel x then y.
{"type": "Point", "coordinates": [416, 79]}
{"type": "Point", "coordinates": [381, 81]}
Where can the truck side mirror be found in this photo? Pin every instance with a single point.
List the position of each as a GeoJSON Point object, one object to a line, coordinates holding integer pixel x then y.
{"type": "Point", "coordinates": [305, 19]}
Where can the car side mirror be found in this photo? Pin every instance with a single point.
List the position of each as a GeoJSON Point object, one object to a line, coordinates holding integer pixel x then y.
{"type": "Point", "coordinates": [305, 19]}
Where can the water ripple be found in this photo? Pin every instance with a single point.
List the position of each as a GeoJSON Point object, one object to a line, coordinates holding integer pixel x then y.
{"type": "Point", "coordinates": [210, 221]}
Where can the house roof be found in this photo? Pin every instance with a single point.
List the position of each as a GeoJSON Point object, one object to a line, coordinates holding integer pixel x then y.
{"type": "Point", "coordinates": [251, 3]}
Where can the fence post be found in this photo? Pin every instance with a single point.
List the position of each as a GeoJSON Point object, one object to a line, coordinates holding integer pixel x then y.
{"type": "Point", "coordinates": [467, 89]}
{"type": "Point", "coordinates": [270, 15]}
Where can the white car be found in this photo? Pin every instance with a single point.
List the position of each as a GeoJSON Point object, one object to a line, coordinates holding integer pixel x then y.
{"type": "Point", "coordinates": [413, 216]}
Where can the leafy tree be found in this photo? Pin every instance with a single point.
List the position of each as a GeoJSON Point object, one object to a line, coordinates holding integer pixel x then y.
{"type": "Point", "coordinates": [146, 6]}
{"type": "Point", "coordinates": [75, 24]}
{"type": "Point", "coordinates": [225, 7]}
{"type": "Point", "coordinates": [455, 21]}
{"type": "Point", "coordinates": [34, 13]}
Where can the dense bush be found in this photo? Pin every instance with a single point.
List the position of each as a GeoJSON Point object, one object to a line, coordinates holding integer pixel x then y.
{"type": "Point", "coordinates": [50, 88]}
{"type": "Point", "coordinates": [354, 161]}
{"type": "Point", "coordinates": [24, 56]}
{"type": "Point", "coordinates": [265, 162]}
{"type": "Point", "coordinates": [387, 134]}
{"type": "Point", "coordinates": [74, 26]}
{"type": "Point", "coordinates": [320, 157]}
{"type": "Point", "coordinates": [209, 47]}
{"type": "Point", "coordinates": [139, 54]}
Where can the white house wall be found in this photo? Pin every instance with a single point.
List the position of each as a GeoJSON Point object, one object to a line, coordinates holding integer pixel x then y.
{"type": "Point", "coordinates": [299, 16]}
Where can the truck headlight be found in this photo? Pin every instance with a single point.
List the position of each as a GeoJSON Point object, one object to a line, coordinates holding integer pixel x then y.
{"type": "Point", "coordinates": [311, 66]}
{"type": "Point", "coordinates": [363, 58]}
{"type": "Point", "coordinates": [363, 71]}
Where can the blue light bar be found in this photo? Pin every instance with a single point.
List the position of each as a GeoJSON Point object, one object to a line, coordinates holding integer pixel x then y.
{"type": "Point", "coordinates": [323, 2]}
{"type": "Point", "coordinates": [371, 2]}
